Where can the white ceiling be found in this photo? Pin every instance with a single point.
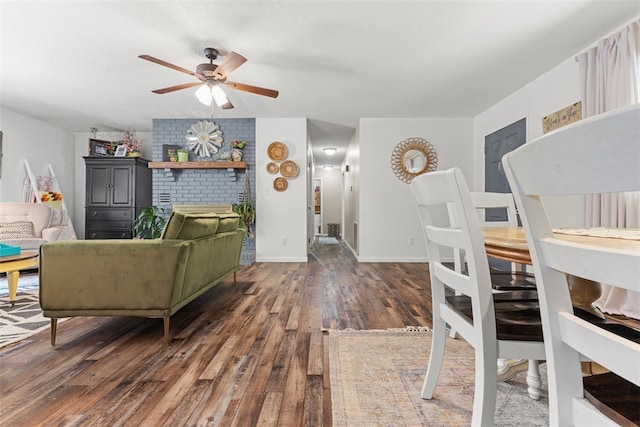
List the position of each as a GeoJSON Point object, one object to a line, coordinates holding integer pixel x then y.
{"type": "Point", "coordinates": [75, 63]}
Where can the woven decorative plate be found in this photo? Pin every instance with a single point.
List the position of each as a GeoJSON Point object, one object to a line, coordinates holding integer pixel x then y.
{"type": "Point", "coordinates": [273, 168]}
{"type": "Point", "coordinates": [277, 151]}
{"type": "Point", "coordinates": [289, 169]}
{"type": "Point", "coordinates": [280, 184]}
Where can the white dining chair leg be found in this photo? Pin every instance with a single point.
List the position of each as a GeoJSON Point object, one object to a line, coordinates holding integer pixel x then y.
{"type": "Point", "coordinates": [484, 399]}
{"type": "Point", "coordinates": [435, 358]}
{"type": "Point", "coordinates": [533, 380]}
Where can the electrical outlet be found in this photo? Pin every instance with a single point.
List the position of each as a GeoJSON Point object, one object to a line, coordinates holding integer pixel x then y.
{"type": "Point", "coordinates": [412, 241]}
{"type": "Point", "coordinates": [283, 241]}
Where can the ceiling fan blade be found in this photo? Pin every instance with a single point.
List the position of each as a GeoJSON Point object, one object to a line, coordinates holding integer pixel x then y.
{"type": "Point", "coordinates": [231, 62]}
{"type": "Point", "coordinates": [166, 64]}
{"type": "Point", "coordinates": [253, 89]}
{"type": "Point", "coordinates": [177, 87]}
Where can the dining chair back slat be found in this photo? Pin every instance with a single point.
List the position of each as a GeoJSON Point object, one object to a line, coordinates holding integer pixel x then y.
{"type": "Point", "coordinates": [488, 200]}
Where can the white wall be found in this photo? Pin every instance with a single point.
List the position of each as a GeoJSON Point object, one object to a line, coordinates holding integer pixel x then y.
{"type": "Point", "coordinates": [281, 214]}
{"type": "Point", "coordinates": [40, 143]}
{"type": "Point", "coordinates": [554, 90]}
{"type": "Point", "coordinates": [387, 215]}
{"type": "Point", "coordinates": [351, 192]}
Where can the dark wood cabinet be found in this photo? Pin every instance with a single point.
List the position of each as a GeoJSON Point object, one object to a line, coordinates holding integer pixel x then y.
{"type": "Point", "coordinates": [118, 188]}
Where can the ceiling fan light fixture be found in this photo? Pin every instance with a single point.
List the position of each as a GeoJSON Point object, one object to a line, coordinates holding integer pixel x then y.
{"type": "Point", "coordinates": [204, 95]}
{"type": "Point", "coordinates": [219, 95]}
{"type": "Point", "coordinates": [329, 151]}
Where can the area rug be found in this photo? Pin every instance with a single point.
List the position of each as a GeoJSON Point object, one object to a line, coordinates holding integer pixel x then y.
{"type": "Point", "coordinates": [323, 240]}
{"type": "Point", "coordinates": [24, 318]}
{"type": "Point", "coordinates": [376, 380]}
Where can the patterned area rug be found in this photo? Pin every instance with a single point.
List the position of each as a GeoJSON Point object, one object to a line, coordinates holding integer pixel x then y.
{"type": "Point", "coordinates": [376, 380]}
{"type": "Point", "coordinates": [24, 318]}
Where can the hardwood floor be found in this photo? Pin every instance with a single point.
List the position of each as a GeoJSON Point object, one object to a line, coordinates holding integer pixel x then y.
{"type": "Point", "coordinates": [248, 354]}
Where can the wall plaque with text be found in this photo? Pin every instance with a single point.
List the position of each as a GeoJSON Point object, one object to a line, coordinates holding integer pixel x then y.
{"type": "Point", "coordinates": [567, 115]}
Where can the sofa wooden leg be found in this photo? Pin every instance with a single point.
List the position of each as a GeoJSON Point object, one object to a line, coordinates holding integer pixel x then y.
{"type": "Point", "coordinates": [167, 338]}
{"type": "Point", "coordinates": [54, 327]}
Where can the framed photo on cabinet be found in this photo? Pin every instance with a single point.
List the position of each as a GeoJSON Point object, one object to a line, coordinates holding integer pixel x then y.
{"type": "Point", "coordinates": [99, 148]}
{"type": "Point", "coordinates": [121, 151]}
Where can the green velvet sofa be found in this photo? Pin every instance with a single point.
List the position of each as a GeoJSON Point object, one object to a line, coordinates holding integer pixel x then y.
{"type": "Point", "coordinates": [146, 278]}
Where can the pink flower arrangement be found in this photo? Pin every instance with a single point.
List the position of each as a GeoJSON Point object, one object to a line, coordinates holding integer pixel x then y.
{"type": "Point", "coordinates": [131, 141]}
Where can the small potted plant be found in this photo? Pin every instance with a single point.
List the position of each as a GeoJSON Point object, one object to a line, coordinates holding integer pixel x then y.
{"type": "Point", "coordinates": [183, 155]}
{"type": "Point", "coordinates": [149, 223]}
{"type": "Point", "coordinates": [236, 149]}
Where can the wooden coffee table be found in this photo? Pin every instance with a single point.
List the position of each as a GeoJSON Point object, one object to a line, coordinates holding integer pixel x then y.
{"type": "Point", "coordinates": [12, 265]}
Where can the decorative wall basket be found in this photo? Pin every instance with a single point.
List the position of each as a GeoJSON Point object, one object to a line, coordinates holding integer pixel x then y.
{"type": "Point", "coordinates": [288, 169]}
{"type": "Point", "coordinates": [280, 184]}
{"type": "Point", "coordinates": [413, 157]}
{"type": "Point", "coordinates": [273, 168]}
{"type": "Point", "coordinates": [277, 151]}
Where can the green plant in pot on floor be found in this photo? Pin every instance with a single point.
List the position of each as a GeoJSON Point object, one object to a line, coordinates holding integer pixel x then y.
{"type": "Point", "coordinates": [149, 223]}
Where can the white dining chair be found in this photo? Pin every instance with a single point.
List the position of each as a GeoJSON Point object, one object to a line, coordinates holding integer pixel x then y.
{"type": "Point", "coordinates": [517, 278]}
{"type": "Point", "coordinates": [600, 154]}
{"type": "Point", "coordinates": [505, 325]}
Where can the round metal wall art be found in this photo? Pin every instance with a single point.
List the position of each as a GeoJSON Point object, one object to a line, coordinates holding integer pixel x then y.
{"type": "Point", "coordinates": [204, 138]}
{"type": "Point", "coordinates": [412, 157]}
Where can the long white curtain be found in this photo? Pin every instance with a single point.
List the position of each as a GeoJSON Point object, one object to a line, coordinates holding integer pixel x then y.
{"type": "Point", "coordinates": [610, 79]}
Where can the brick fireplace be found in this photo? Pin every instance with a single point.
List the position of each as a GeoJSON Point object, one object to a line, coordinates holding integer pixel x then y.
{"type": "Point", "coordinates": [204, 186]}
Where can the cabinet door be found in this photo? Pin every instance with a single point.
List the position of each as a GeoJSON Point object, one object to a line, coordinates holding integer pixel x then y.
{"type": "Point", "coordinates": [98, 190]}
{"type": "Point", "coordinates": [122, 180]}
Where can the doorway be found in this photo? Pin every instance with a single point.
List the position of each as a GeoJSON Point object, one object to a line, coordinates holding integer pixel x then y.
{"type": "Point", "coordinates": [497, 145]}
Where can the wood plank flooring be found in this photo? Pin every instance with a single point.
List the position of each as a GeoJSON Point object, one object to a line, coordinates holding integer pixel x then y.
{"type": "Point", "coordinates": [250, 354]}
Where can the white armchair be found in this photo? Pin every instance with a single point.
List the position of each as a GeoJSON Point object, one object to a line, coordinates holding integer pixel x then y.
{"type": "Point", "coordinates": [27, 225]}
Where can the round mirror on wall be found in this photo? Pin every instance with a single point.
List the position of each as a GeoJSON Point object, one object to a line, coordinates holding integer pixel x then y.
{"type": "Point", "coordinates": [414, 161]}
{"type": "Point", "coordinates": [413, 157]}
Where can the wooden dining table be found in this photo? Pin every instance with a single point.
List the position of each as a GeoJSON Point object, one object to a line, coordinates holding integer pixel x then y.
{"type": "Point", "coordinates": [510, 244]}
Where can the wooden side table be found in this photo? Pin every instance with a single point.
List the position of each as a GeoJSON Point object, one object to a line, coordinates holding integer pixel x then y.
{"type": "Point", "coordinates": [12, 265]}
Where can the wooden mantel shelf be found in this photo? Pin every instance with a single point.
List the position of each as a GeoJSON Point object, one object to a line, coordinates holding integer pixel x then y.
{"type": "Point", "coordinates": [197, 165]}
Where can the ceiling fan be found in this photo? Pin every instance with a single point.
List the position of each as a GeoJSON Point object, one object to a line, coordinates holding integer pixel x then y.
{"type": "Point", "coordinates": [211, 76]}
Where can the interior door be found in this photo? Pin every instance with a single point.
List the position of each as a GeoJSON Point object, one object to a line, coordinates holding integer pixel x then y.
{"type": "Point", "coordinates": [497, 145]}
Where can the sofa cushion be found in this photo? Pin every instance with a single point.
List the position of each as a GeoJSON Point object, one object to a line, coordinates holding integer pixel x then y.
{"type": "Point", "coordinates": [187, 226]}
{"type": "Point", "coordinates": [228, 222]}
{"type": "Point", "coordinates": [16, 230]}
